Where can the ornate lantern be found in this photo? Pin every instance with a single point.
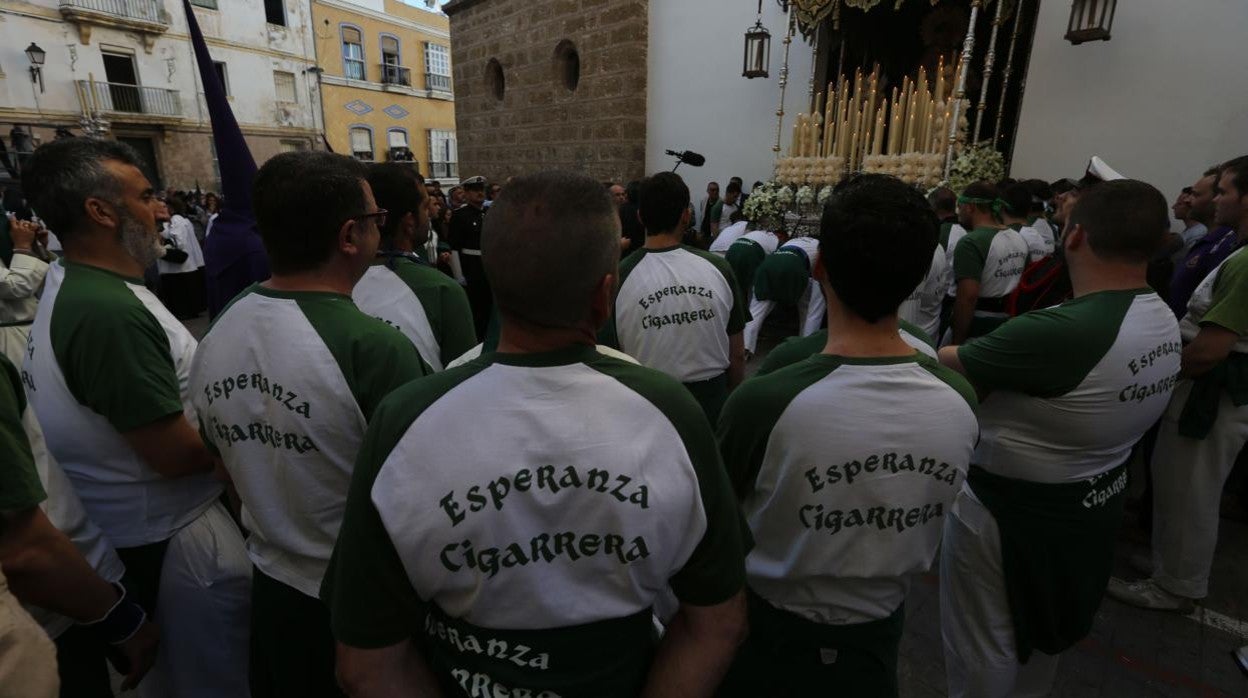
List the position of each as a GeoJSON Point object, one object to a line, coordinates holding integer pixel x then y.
{"type": "Point", "coordinates": [1090, 20]}
{"type": "Point", "coordinates": [36, 56]}
{"type": "Point", "coordinates": [757, 61]}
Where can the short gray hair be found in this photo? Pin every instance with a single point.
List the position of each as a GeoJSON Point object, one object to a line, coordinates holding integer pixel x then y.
{"type": "Point", "coordinates": [548, 240]}
{"type": "Point", "coordinates": [60, 176]}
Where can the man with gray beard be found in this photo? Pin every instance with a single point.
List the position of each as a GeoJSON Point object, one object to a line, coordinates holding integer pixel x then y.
{"type": "Point", "coordinates": [106, 371]}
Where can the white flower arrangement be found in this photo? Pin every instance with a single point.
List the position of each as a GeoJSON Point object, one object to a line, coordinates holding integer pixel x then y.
{"type": "Point", "coordinates": [785, 196]}
{"type": "Point", "coordinates": [764, 204]}
{"type": "Point", "coordinates": [805, 196]}
{"type": "Point", "coordinates": [824, 195]}
{"type": "Point", "coordinates": [977, 163]}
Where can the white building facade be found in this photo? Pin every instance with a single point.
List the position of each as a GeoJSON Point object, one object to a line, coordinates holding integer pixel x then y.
{"type": "Point", "coordinates": [147, 89]}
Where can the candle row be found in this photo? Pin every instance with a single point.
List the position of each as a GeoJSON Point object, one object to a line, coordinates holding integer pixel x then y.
{"type": "Point", "coordinates": [857, 120]}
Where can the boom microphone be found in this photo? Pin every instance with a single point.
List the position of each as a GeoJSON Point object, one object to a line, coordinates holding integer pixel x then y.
{"type": "Point", "coordinates": [687, 157]}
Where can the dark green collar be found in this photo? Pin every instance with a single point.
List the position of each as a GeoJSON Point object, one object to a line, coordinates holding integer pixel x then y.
{"type": "Point", "coordinates": [566, 356]}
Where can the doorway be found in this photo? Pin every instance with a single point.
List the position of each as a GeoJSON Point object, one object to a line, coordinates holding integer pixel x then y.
{"type": "Point", "coordinates": [147, 158]}
{"type": "Point", "coordinates": [123, 80]}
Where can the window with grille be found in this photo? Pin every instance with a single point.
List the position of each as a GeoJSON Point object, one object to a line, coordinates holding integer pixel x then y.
{"type": "Point", "coordinates": [352, 53]}
{"type": "Point", "coordinates": [390, 50]}
{"type": "Point", "coordinates": [443, 156]}
{"type": "Point", "coordinates": [362, 144]}
{"type": "Point", "coordinates": [437, 67]}
{"type": "Point", "coordinates": [284, 85]}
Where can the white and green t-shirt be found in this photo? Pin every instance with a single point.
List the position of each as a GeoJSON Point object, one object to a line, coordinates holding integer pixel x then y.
{"type": "Point", "coordinates": [1073, 387]}
{"type": "Point", "coordinates": [727, 236]}
{"type": "Point", "coordinates": [427, 306]}
{"type": "Point", "coordinates": [995, 258]}
{"type": "Point", "coordinates": [105, 357]}
{"type": "Point", "coordinates": [767, 240]}
{"type": "Point", "coordinates": [956, 233]}
{"type": "Point", "coordinates": [289, 430]}
{"type": "Point", "coordinates": [922, 307]}
{"type": "Point", "coordinates": [1039, 245]}
{"type": "Point", "coordinates": [675, 311]}
{"type": "Point", "coordinates": [28, 474]}
{"type": "Point", "coordinates": [1222, 300]}
{"type": "Point", "coordinates": [529, 560]}
{"type": "Point", "coordinates": [845, 468]}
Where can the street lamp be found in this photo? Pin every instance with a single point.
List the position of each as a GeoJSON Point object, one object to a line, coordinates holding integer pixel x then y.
{"type": "Point", "coordinates": [1090, 20]}
{"type": "Point", "coordinates": [36, 56]}
{"type": "Point", "coordinates": [757, 49]}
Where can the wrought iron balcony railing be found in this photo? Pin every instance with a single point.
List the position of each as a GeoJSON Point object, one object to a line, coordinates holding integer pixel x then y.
{"type": "Point", "coordinates": [395, 75]}
{"type": "Point", "coordinates": [111, 97]}
{"type": "Point", "coordinates": [142, 12]}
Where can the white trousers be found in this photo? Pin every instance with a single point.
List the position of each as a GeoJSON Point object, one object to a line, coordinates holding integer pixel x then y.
{"type": "Point", "coordinates": [811, 308]}
{"type": "Point", "coordinates": [976, 627]}
{"type": "Point", "coordinates": [27, 656]}
{"type": "Point", "coordinates": [1188, 476]}
{"type": "Point", "coordinates": [204, 613]}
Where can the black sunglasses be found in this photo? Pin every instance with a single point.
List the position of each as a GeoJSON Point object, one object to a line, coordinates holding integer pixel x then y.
{"type": "Point", "coordinates": [379, 214]}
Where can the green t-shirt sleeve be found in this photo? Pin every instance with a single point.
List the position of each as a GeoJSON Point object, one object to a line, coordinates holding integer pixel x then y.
{"type": "Point", "coordinates": [1229, 306]}
{"type": "Point", "coordinates": [609, 334]}
{"type": "Point", "coordinates": [374, 357]}
{"type": "Point", "coordinates": [969, 258]}
{"type": "Point", "coordinates": [952, 378]}
{"type": "Point", "coordinates": [715, 571]}
{"type": "Point", "coordinates": [750, 414]}
{"type": "Point", "coordinates": [1045, 353]}
{"type": "Point", "coordinates": [118, 364]}
{"type": "Point", "coordinates": [20, 488]}
{"type": "Point", "coordinates": [717, 210]}
{"type": "Point", "coordinates": [370, 597]}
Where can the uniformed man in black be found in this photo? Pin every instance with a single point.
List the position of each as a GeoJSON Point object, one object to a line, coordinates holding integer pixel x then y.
{"type": "Point", "coordinates": [465, 239]}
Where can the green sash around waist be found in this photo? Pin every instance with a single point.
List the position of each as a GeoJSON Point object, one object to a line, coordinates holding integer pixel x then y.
{"type": "Point", "coordinates": [1057, 548]}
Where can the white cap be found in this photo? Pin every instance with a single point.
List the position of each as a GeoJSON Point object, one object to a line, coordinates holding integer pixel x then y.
{"type": "Point", "coordinates": [1097, 169]}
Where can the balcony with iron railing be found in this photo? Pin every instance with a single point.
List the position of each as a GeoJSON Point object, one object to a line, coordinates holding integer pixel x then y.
{"type": "Point", "coordinates": [148, 17]}
{"type": "Point", "coordinates": [392, 74]}
{"type": "Point", "coordinates": [439, 83]}
{"type": "Point", "coordinates": [118, 98]}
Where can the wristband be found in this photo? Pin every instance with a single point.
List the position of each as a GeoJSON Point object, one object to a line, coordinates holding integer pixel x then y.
{"type": "Point", "coordinates": [121, 622]}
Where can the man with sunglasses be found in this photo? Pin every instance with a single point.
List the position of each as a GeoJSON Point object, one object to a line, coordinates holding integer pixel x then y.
{"type": "Point", "coordinates": [402, 289]}
{"type": "Point", "coordinates": [285, 383]}
{"type": "Point", "coordinates": [106, 372]}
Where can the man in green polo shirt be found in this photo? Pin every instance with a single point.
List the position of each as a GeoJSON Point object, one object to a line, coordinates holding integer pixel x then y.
{"type": "Point", "coordinates": [1206, 425]}
{"type": "Point", "coordinates": [1029, 541]}
{"type": "Point", "coordinates": [846, 461]}
{"type": "Point", "coordinates": [403, 290]}
{"type": "Point", "coordinates": [527, 561]}
{"type": "Point", "coordinates": [987, 263]}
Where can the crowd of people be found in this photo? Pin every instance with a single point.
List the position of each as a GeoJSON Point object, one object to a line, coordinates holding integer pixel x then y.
{"type": "Point", "coordinates": [455, 445]}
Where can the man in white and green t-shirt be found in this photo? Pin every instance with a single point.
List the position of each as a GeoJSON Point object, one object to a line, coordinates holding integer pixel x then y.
{"type": "Point", "coordinates": [679, 309]}
{"type": "Point", "coordinates": [747, 253]}
{"type": "Point", "coordinates": [1030, 539]}
{"type": "Point", "coordinates": [527, 562]}
{"type": "Point", "coordinates": [846, 462]}
{"type": "Point", "coordinates": [107, 371]}
{"type": "Point", "coordinates": [987, 264]}
{"type": "Point", "coordinates": [787, 276]}
{"type": "Point", "coordinates": [400, 288]}
{"type": "Point", "coordinates": [1206, 425]}
{"type": "Point", "coordinates": [289, 431]}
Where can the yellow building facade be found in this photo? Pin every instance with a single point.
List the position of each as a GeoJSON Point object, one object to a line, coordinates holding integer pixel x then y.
{"type": "Point", "coordinates": [385, 78]}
